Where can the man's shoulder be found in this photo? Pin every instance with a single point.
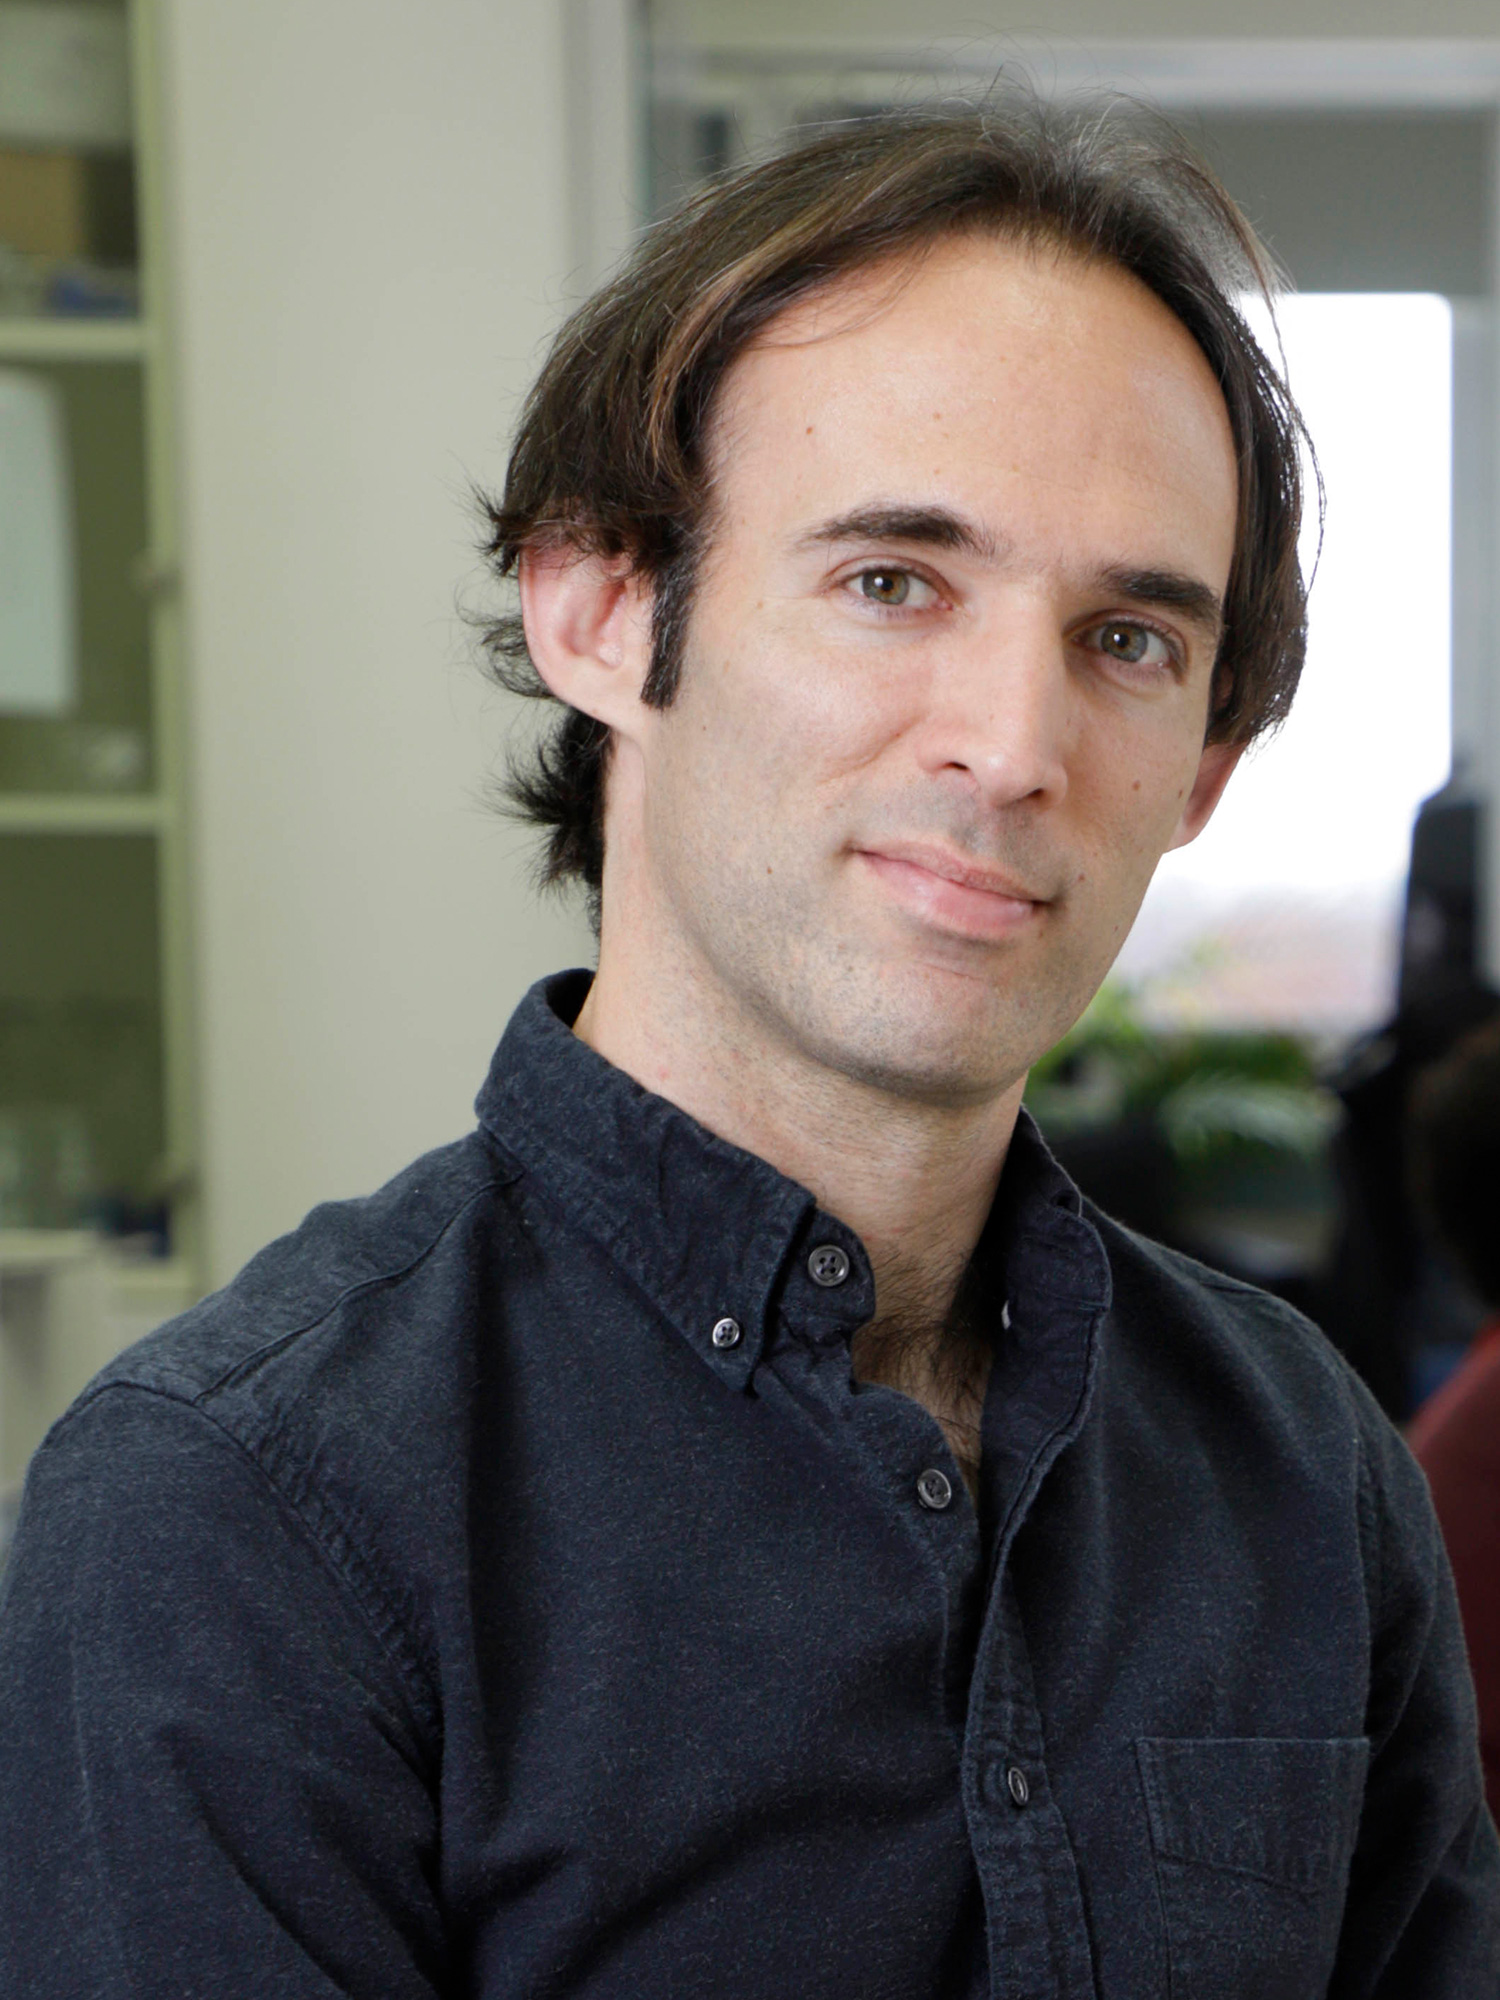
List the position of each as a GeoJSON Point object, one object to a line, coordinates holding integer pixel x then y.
{"type": "Point", "coordinates": [1232, 1338]}
{"type": "Point", "coordinates": [1242, 1382]}
{"type": "Point", "coordinates": [350, 1268]}
{"type": "Point", "coordinates": [327, 1384]}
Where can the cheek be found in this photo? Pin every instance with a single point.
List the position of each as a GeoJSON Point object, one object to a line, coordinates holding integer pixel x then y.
{"type": "Point", "coordinates": [728, 760]}
{"type": "Point", "coordinates": [782, 721]}
{"type": "Point", "coordinates": [1132, 792]}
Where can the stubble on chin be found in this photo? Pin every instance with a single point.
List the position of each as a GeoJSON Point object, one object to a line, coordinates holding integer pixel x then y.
{"type": "Point", "coordinates": [900, 1022]}
{"type": "Point", "coordinates": [796, 965]}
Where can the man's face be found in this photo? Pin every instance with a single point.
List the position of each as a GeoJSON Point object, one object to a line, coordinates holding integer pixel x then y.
{"type": "Point", "coordinates": [947, 675]}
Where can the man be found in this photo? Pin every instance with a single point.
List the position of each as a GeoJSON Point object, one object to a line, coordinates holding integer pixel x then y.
{"type": "Point", "coordinates": [736, 1525]}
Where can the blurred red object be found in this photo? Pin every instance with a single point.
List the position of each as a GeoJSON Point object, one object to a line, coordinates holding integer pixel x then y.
{"type": "Point", "coordinates": [1456, 1438]}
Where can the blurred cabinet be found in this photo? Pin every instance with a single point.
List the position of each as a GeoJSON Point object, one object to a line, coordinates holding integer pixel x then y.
{"type": "Point", "coordinates": [96, 1122]}
{"type": "Point", "coordinates": [66, 1307]}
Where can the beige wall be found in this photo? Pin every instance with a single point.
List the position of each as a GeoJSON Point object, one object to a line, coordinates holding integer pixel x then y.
{"type": "Point", "coordinates": [370, 222]}
{"type": "Point", "coordinates": [811, 23]}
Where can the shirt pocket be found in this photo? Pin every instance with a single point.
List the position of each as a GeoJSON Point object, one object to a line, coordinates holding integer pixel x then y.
{"type": "Point", "coordinates": [1253, 1838]}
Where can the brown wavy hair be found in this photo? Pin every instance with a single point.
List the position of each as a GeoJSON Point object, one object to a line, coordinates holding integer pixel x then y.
{"type": "Point", "coordinates": [609, 456]}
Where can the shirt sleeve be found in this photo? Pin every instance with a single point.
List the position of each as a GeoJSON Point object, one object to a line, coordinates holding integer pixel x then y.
{"type": "Point", "coordinates": [1422, 1919]}
{"type": "Point", "coordinates": [212, 1780]}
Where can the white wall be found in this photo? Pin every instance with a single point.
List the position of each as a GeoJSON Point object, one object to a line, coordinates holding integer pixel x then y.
{"type": "Point", "coordinates": [369, 218]}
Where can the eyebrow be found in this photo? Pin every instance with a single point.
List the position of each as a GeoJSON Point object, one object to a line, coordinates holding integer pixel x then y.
{"type": "Point", "coordinates": [932, 527]}
{"type": "Point", "coordinates": [1172, 590]}
{"type": "Point", "coordinates": [940, 528]}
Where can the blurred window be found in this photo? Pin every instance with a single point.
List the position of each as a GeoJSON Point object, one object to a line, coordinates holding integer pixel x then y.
{"type": "Point", "coordinates": [1284, 911]}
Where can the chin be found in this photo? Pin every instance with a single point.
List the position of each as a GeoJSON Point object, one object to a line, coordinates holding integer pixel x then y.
{"type": "Point", "coordinates": [932, 1077]}
{"type": "Point", "coordinates": [937, 1042]}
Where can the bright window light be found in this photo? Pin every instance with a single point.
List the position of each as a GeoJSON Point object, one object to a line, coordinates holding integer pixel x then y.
{"type": "Point", "coordinates": [1285, 910]}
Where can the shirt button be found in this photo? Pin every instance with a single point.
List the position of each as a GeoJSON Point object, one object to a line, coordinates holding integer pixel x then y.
{"type": "Point", "coordinates": [828, 1265]}
{"type": "Point", "coordinates": [1016, 1785]}
{"type": "Point", "coordinates": [934, 1489]}
{"type": "Point", "coordinates": [726, 1333]}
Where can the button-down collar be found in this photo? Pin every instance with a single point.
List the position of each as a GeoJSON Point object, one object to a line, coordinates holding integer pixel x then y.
{"type": "Point", "coordinates": [640, 1175]}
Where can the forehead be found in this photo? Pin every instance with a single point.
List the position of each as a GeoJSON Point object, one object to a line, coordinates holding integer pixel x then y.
{"type": "Point", "coordinates": [1054, 397]}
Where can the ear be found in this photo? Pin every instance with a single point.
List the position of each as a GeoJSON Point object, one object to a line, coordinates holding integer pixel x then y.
{"type": "Point", "coordinates": [1215, 768]}
{"type": "Point", "coordinates": [588, 631]}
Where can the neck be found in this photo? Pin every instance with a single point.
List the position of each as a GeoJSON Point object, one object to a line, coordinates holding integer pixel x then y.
{"type": "Point", "coordinates": [913, 1178]}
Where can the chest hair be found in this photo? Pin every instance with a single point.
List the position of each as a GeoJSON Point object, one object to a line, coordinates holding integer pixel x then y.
{"type": "Point", "coordinates": [926, 1341]}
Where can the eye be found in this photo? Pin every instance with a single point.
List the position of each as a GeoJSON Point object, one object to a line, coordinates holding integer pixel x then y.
{"type": "Point", "coordinates": [891, 588]}
{"type": "Point", "coordinates": [1131, 644]}
{"type": "Point", "coordinates": [885, 586]}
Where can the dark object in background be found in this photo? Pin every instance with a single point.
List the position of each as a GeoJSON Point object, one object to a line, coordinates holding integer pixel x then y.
{"type": "Point", "coordinates": [1127, 1169]}
{"type": "Point", "coordinates": [1384, 1298]}
{"type": "Point", "coordinates": [1324, 1219]}
{"type": "Point", "coordinates": [1211, 1141]}
{"type": "Point", "coordinates": [1440, 927]}
{"type": "Point", "coordinates": [1454, 1139]}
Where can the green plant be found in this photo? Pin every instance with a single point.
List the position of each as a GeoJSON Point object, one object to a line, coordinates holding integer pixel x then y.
{"type": "Point", "coordinates": [1208, 1091]}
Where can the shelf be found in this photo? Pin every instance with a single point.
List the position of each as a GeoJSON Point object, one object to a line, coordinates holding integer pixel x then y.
{"type": "Point", "coordinates": [148, 1289]}
{"type": "Point", "coordinates": [73, 340]}
{"type": "Point", "coordinates": [23, 1251]}
{"type": "Point", "coordinates": [40, 812]}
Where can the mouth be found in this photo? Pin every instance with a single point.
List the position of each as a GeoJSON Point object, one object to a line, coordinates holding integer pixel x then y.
{"type": "Point", "coordinates": [953, 892]}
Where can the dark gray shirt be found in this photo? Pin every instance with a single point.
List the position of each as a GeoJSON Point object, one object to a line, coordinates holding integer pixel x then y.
{"type": "Point", "coordinates": [502, 1589]}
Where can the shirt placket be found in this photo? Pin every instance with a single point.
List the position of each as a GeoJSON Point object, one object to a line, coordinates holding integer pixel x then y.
{"type": "Point", "coordinates": [1038, 1937]}
{"type": "Point", "coordinates": [1037, 1401]}
{"type": "Point", "coordinates": [894, 1443]}
{"type": "Point", "coordinates": [1036, 1928]}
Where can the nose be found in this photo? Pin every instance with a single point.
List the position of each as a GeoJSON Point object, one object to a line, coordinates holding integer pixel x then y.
{"type": "Point", "coordinates": [999, 712]}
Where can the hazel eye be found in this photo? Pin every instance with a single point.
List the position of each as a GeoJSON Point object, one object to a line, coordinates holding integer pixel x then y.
{"type": "Point", "coordinates": [888, 587]}
{"type": "Point", "coordinates": [1124, 642]}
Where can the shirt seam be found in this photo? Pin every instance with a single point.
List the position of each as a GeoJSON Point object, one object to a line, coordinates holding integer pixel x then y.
{"type": "Point", "coordinates": [386, 1632]}
{"type": "Point", "coordinates": [332, 1535]}
{"type": "Point", "coordinates": [1319, 1349]}
{"type": "Point", "coordinates": [249, 1362]}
